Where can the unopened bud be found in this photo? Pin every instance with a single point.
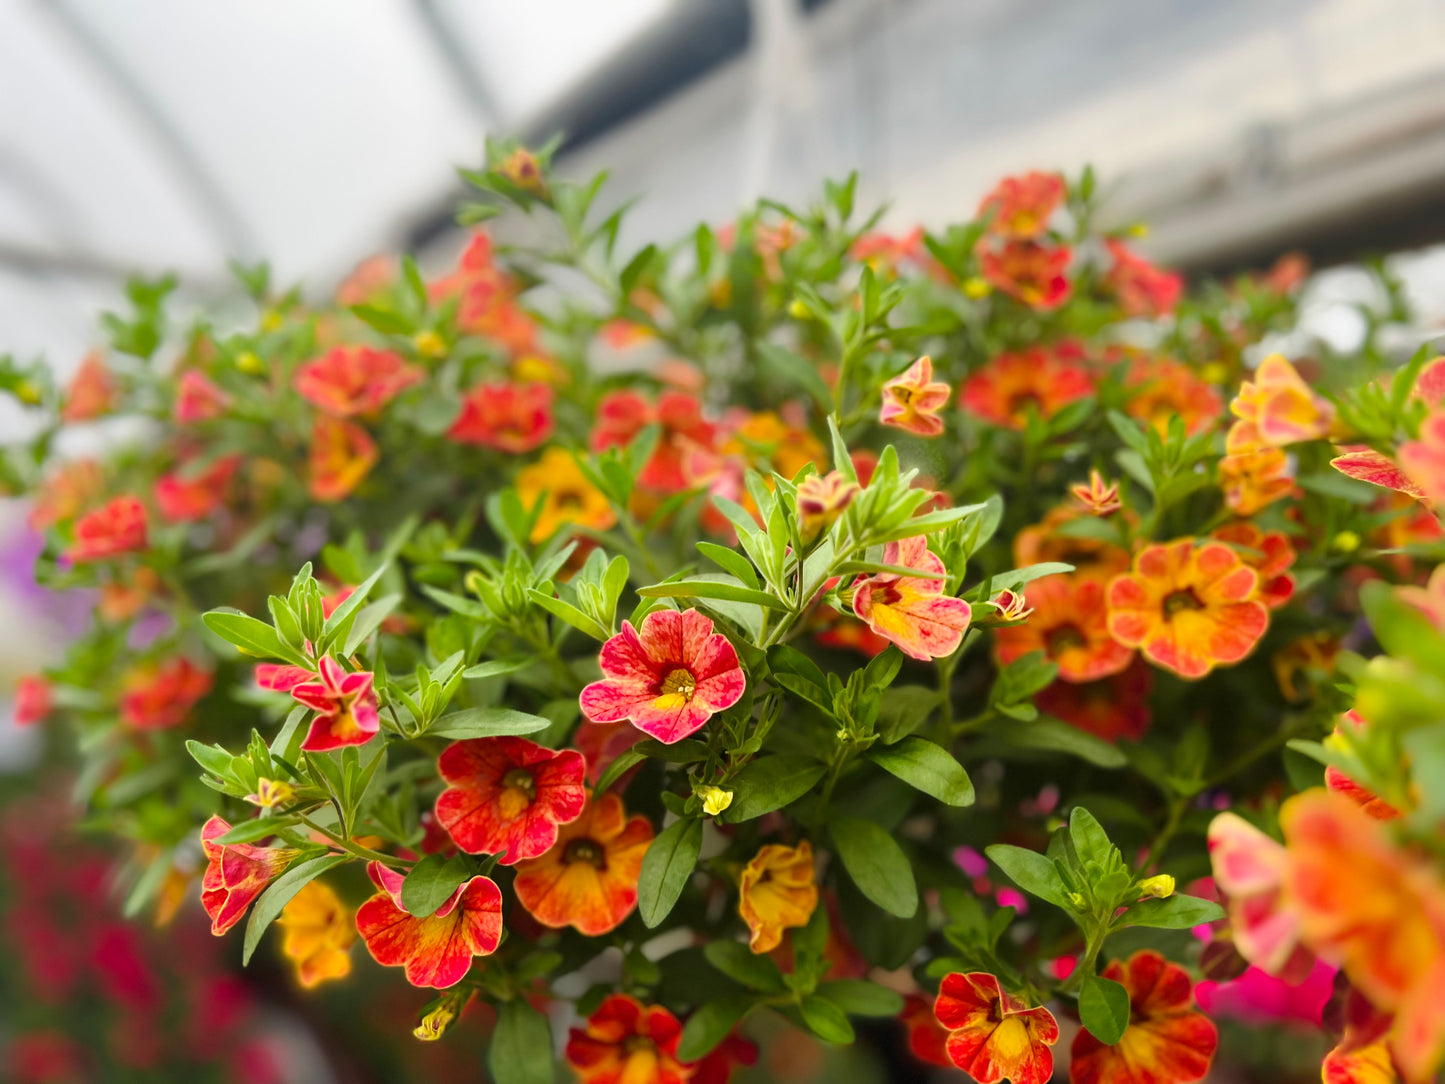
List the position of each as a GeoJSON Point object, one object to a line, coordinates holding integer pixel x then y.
{"type": "Point", "coordinates": [976, 288]}
{"type": "Point", "coordinates": [1345, 542]}
{"type": "Point", "coordinates": [524, 171]}
{"type": "Point", "coordinates": [434, 1024]}
{"type": "Point", "coordinates": [714, 799]}
{"type": "Point", "coordinates": [429, 345]}
{"type": "Point", "coordinates": [821, 500]}
{"type": "Point", "coordinates": [800, 311]}
{"type": "Point", "coordinates": [1159, 887]}
{"type": "Point", "coordinates": [248, 362]}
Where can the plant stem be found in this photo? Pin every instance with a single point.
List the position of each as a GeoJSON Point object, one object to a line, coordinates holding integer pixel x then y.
{"type": "Point", "coordinates": [354, 848]}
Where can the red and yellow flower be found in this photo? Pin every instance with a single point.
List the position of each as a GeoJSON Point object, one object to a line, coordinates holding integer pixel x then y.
{"type": "Point", "coordinates": [506, 796]}
{"type": "Point", "coordinates": [626, 1042]}
{"type": "Point", "coordinates": [568, 498]}
{"type": "Point", "coordinates": [1161, 389]}
{"type": "Point", "coordinates": [1098, 497]}
{"type": "Point", "coordinates": [342, 454]}
{"type": "Point", "coordinates": [236, 873]}
{"type": "Point", "coordinates": [160, 696]}
{"type": "Point", "coordinates": [822, 499]}
{"type": "Point", "coordinates": [1269, 553]}
{"type": "Point", "coordinates": [1032, 272]}
{"type": "Point", "coordinates": [1188, 607]}
{"type": "Point", "coordinates": [622, 415]}
{"type": "Point", "coordinates": [991, 1035]}
{"type": "Point", "coordinates": [1423, 460]}
{"type": "Point", "coordinates": [780, 442]}
{"type": "Point", "coordinates": [345, 707]}
{"type": "Point", "coordinates": [1112, 708]}
{"type": "Point", "coordinates": [1367, 465]}
{"type": "Point", "coordinates": [1142, 288]}
{"type": "Point", "coordinates": [507, 417]}
{"type": "Point", "coordinates": [588, 880]}
{"type": "Point", "coordinates": [1253, 480]}
{"type": "Point", "coordinates": [1070, 624]}
{"type": "Point", "coordinates": [1020, 206]}
{"type": "Point", "coordinates": [667, 679]}
{"type": "Point", "coordinates": [912, 401]}
{"type": "Point", "coordinates": [352, 380]}
{"type": "Point", "coordinates": [1043, 541]}
{"type": "Point", "coordinates": [1250, 869]}
{"type": "Point", "coordinates": [437, 950]}
{"type": "Point", "coordinates": [115, 528]}
{"type": "Point", "coordinates": [1277, 408]}
{"type": "Point", "coordinates": [927, 1038]}
{"type": "Point", "coordinates": [61, 496]}
{"type": "Point", "coordinates": [185, 496]}
{"type": "Point", "coordinates": [777, 892]}
{"type": "Point", "coordinates": [1011, 386]}
{"type": "Point", "coordinates": [319, 931]}
{"type": "Point", "coordinates": [91, 391]}
{"type": "Point", "coordinates": [912, 611]}
{"type": "Point", "coordinates": [1351, 725]}
{"type": "Point", "coordinates": [1167, 1038]}
{"type": "Point", "coordinates": [198, 399]}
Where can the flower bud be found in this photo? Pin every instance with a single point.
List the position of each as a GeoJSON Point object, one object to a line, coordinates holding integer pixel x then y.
{"type": "Point", "coordinates": [1098, 496]}
{"type": "Point", "coordinates": [523, 170]}
{"type": "Point", "coordinates": [714, 799]}
{"type": "Point", "coordinates": [1011, 606]}
{"type": "Point", "coordinates": [429, 344]}
{"type": "Point", "coordinates": [976, 288]}
{"type": "Point", "coordinates": [1159, 887]}
{"type": "Point", "coordinates": [435, 1021]}
{"type": "Point", "coordinates": [270, 793]}
{"type": "Point", "coordinates": [821, 500]}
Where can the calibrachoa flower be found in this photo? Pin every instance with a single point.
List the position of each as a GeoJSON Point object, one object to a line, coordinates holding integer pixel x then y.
{"type": "Point", "coordinates": [350, 380]}
{"type": "Point", "coordinates": [1070, 624]}
{"type": "Point", "coordinates": [667, 679]}
{"type": "Point", "coordinates": [1043, 541]}
{"type": "Point", "coordinates": [568, 498]}
{"type": "Point", "coordinates": [1142, 288]}
{"type": "Point", "coordinates": [1277, 408]}
{"type": "Point", "coordinates": [1010, 386]}
{"type": "Point", "coordinates": [991, 1035]}
{"type": "Point", "coordinates": [777, 441]}
{"type": "Point", "coordinates": [319, 932]}
{"type": "Point", "coordinates": [158, 697]}
{"type": "Point", "coordinates": [1098, 497]}
{"type": "Point", "coordinates": [1011, 606]}
{"type": "Point", "coordinates": [111, 530]}
{"type": "Point", "coordinates": [777, 893]}
{"type": "Point", "coordinates": [822, 499]}
{"type": "Point", "coordinates": [927, 1038]}
{"type": "Point", "coordinates": [506, 796]}
{"type": "Point", "coordinates": [1021, 206]}
{"type": "Point", "coordinates": [342, 454]}
{"type": "Point", "coordinates": [91, 392]}
{"type": "Point", "coordinates": [1423, 460]}
{"type": "Point", "coordinates": [236, 873]}
{"type": "Point", "coordinates": [62, 495]}
{"type": "Point", "coordinates": [622, 415]}
{"type": "Point", "coordinates": [912, 611]}
{"type": "Point", "coordinates": [1351, 724]}
{"type": "Point", "coordinates": [1161, 389]}
{"type": "Point", "coordinates": [344, 704]}
{"type": "Point", "coordinates": [1034, 273]}
{"type": "Point", "coordinates": [182, 496]}
{"type": "Point", "coordinates": [1367, 465]}
{"type": "Point", "coordinates": [1253, 480]}
{"type": "Point", "coordinates": [588, 879]}
{"type": "Point", "coordinates": [198, 399]}
{"type": "Point", "coordinates": [507, 417]}
{"type": "Point", "coordinates": [912, 401]}
{"type": "Point", "coordinates": [1112, 708]}
{"type": "Point", "coordinates": [1250, 869]}
{"type": "Point", "coordinates": [1167, 1039]}
{"type": "Point", "coordinates": [33, 700]}
{"type": "Point", "coordinates": [717, 1067]}
{"type": "Point", "coordinates": [626, 1042]}
{"type": "Point", "coordinates": [1188, 607]}
{"type": "Point", "coordinates": [281, 677]}
{"type": "Point", "coordinates": [437, 950]}
{"type": "Point", "coordinates": [1269, 553]}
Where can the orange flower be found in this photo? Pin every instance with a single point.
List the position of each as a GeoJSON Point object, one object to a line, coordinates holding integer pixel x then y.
{"type": "Point", "coordinates": [367, 281]}
{"type": "Point", "coordinates": [1142, 288]}
{"type": "Point", "coordinates": [1043, 542]}
{"type": "Point", "coordinates": [777, 893]}
{"type": "Point", "coordinates": [91, 391]}
{"type": "Point", "coordinates": [437, 950]}
{"type": "Point", "coordinates": [160, 697]}
{"type": "Point", "coordinates": [1269, 553]}
{"type": "Point", "coordinates": [1277, 408]}
{"type": "Point", "coordinates": [182, 497]}
{"type": "Point", "coordinates": [1070, 625]}
{"type": "Point", "coordinates": [1188, 607]}
{"type": "Point", "coordinates": [1166, 1039]}
{"type": "Point", "coordinates": [63, 494]}
{"type": "Point", "coordinates": [1291, 663]}
{"type": "Point", "coordinates": [198, 399]}
{"type": "Point", "coordinates": [1162, 388]}
{"type": "Point", "coordinates": [319, 931]}
{"type": "Point", "coordinates": [567, 497]}
{"type": "Point", "coordinates": [350, 380]}
{"type": "Point", "coordinates": [1250, 870]}
{"type": "Point", "coordinates": [512, 418]}
{"type": "Point", "coordinates": [912, 401]}
{"type": "Point", "coordinates": [1011, 386]}
{"type": "Point", "coordinates": [625, 1042]}
{"type": "Point", "coordinates": [342, 454]}
{"type": "Point", "coordinates": [779, 441]}
{"type": "Point", "coordinates": [886, 252]}
{"type": "Point", "coordinates": [927, 1038]}
{"type": "Point", "coordinates": [991, 1034]}
{"type": "Point", "coordinates": [1098, 497]}
{"type": "Point", "coordinates": [588, 879]}
{"type": "Point", "coordinates": [111, 530]}
{"type": "Point", "coordinates": [506, 796]}
{"type": "Point", "coordinates": [1423, 460]}
{"type": "Point", "coordinates": [1021, 206]}
{"type": "Point", "coordinates": [1111, 708]}
{"type": "Point", "coordinates": [236, 873]}
{"type": "Point", "coordinates": [1034, 273]}
{"type": "Point", "coordinates": [622, 415]}
{"type": "Point", "coordinates": [1254, 480]}
{"type": "Point", "coordinates": [120, 600]}
{"type": "Point", "coordinates": [912, 611]}
{"type": "Point", "coordinates": [1352, 722]}
{"type": "Point", "coordinates": [1362, 1055]}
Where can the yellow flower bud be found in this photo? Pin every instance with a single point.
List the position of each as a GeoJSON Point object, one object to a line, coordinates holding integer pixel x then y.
{"type": "Point", "coordinates": [270, 320]}
{"type": "Point", "coordinates": [976, 288]}
{"type": "Point", "coordinates": [800, 311]}
{"type": "Point", "coordinates": [429, 344]}
{"type": "Point", "coordinates": [1216, 372]}
{"type": "Point", "coordinates": [714, 799]}
{"type": "Point", "coordinates": [1139, 229]}
{"type": "Point", "coordinates": [27, 393]}
{"type": "Point", "coordinates": [1345, 542]}
{"type": "Point", "coordinates": [1156, 888]}
{"type": "Point", "coordinates": [248, 362]}
{"type": "Point", "coordinates": [435, 1023]}
{"type": "Point", "coordinates": [270, 793]}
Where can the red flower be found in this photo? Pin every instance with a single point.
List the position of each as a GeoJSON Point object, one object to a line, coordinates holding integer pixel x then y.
{"type": "Point", "coordinates": [345, 708]}
{"type": "Point", "coordinates": [668, 679]}
{"type": "Point", "coordinates": [1269, 553]}
{"type": "Point", "coordinates": [236, 874]}
{"type": "Point", "coordinates": [198, 399]}
{"type": "Point", "coordinates": [1166, 1039]}
{"type": "Point", "coordinates": [1070, 624]}
{"type": "Point", "coordinates": [512, 418]}
{"type": "Point", "coordinates": [33, 700]}
{"type": "Point", "coordinates": [991, 1035]}
{"type": "Point", "coordinates": [506, 796]}
{"type": "Point", "coordinates": [717, 1067]}
{"type": "Point", "coordinates": [1112, 708]}
{"type": "Point", "coordinates": [114, 528]}
{"type": "Point", "coordinates": [280, 677]}
{"type": "Point", "coordinates": [1010, 386]}
{"type": "Point", "coordinates": [1032, 272]}
{"type": "Point", "coordinates": [1022, 205]}
{"type": "Point", "coordinates": [355, 380]}
{"type": "Point", "coordinates": [91, 391]}
{"type": "Point", "coordinates": [437, 950]}
{"type": "Point", "coordinates": [621, 415]}
{"type": "Point", "coordinates": [927, 1038]}
{"type": "Point", "coordinates": [160, 697]}
{"type": "Point", "coordinates": [1142, 288]}
{"type": "Point", "coordinates": [342, 454]}
{"type": "Point", "coordinates": [625, 1042]}
{"type": "Point", "coordinates": [181, 498]}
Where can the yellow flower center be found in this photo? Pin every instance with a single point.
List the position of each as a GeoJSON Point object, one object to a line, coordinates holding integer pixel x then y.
{"type": "Point", "coordinates": [1184, 599]}
{"type": "Point", "coordinates": [1064, 638]}
{"type": "Point", "coordinates": [903, 394]}
{"type": "Point", "coordinates": [679, 682]}
{"type": "Point", "coordinates": [1010, 1042]}
{"type": "Point", "coordinates": [519, 790]}
{"type": "Point", "coordinates": [585, 850]}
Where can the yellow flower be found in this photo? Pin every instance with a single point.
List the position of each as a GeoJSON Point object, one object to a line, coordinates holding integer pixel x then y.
{"type": "Point", "coordinates": [1159, 887]}
{"type": "Point", "coordinates": [270, 793]}
{"type": "Point", "coordinates": [777, 893]}
{"type": "Point", "coordinates": [714, 799]}
{"type": "Point", "coordinates": [429, 344]}
{"type": "Point", "coordinates": [319, 932]}
{"type": "Point", "coordinates": [570, 499]}
{"type": "Point", "coordinates": [439, 1017]}
{"type": "Point", "coordinates": [976, 288]}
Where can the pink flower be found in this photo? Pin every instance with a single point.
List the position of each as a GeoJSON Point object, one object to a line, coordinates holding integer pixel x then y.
{"type": "Point", "coordinates": [669, 679]}
{"type": "Point", "coordinates": [508, 417]}
{"type": "Point", "coordinates": [281, 677]}
{"type": "Point", "coordinates": [355, 380]}
{"type": "Point", "coordinates": [1423, 460]}
{"type": "Point", "coordinates": [160, 697]}
{"type": "Point", "coordinates": [1250, 869]}
{"type": "Point", "coordinates": [33, 700]}
{"type": "Point", "coordinates": [912, 401]}
{"type": "Point", "coordinates": [912, 611]}
{"type": "Point", "coordinates": [198, 399]}
{"type": "Point", "coordinates": [345, 708]}
{"type": "Point", "coordinates": [111, 530]}
{"type": "Point", "coordinates": [1142, 288]}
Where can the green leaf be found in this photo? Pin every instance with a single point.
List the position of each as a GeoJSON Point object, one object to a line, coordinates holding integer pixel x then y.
{"type": "Point", "coordinates": [1031, 871]}
{"type": "Point", "coordinates": [1057, 736]}
{"type": "Point", "coordinates": [1018, 577]}
{"type": "Point", "coordinates": [252, 830]}
{"type": "Point", "coordinates": [730, 561]}
{"type": "Point", "coordinates": [711, 1024]}
{"type": "Point", "coordinates": [858, 997]}
{"type": "Point", "coordinates": [1175, 913]}
{"type": "Point", "coordinates": [1104, 1009]}
{"type": "Point", "coordinates": [617, 768]}
{"type": "Point", "coordinates": [928, 767]}
{"type": "Point", "coordinates": [496, 668]}
{"type": "Point", "coordinates": [876, 863]}
{"type": "Point", "coordinates": [430, 882]}
{"type": "Point", "coordinates": [1091, 842]}
{"type": "Point", "coordinates": [796, 370]}
{"type": "Point", "coordinates": [486, 723]}
{"type": "Point", "coordinates": [826, 1020]}
{"type": "Point", "coordinates": [666, 867]}
{"type": "Point", "coordinates": [368, 621]}
{"type": "Point", "coordinates": [770, 783]}
{"type": "Point", "coordinates": [212, 758]}
{"type": "Point", "coordinates": [743, 966]}
{"type": "Point", "coordinates": [568, 613]}
{"type": "Point", "coordinates": [353, 603]}
{"type": "Point", "coordinates": [252, 636]}
{"type": "Point", "coordinates": [271, 903]}
{"type": "Point", "coordinates": [521, 1050]}
{"type": "Point", "coordinates": [718, 589]}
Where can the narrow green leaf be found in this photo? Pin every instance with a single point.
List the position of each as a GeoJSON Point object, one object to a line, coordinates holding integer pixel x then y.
{"type": "Point", "coordinates": [1175, 913]}
{"type": "Point", "coordinates": [928, 767]}
{"type": "Point", "coordinates": [826, 1020]}
{"type": "Point", "coordinates": [713, 589]}
{"type": "Point", "coordinates": [618, 768]}
{"type": "Point", "coordinates": [568, 613]}
{"type": "Point", "coordinates": [495, 668]}
{"type": "Point", "coordinates": [743, 966]}
{"type": "Point", "coordinates": [521, 1050]}
{"type": "Point", "coordinates": [486, 723]}
{"type": "Point", "coordinates": [271, 903]}
{"type": "Point", "coordinates": [1104, 1009]}
{"type": "Point", "coordinates": [858, 997]}
{"type": "Point", "coordinates": [666, 867]}
{"type": "Point", "coordinates": [430, 882]}
{"type": "Point", "coordinates": [876, 863]}
{"type": "Point", "coordinates": [1031, 871]}
{"type": "Point", "coordinates": [711, 1024]}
